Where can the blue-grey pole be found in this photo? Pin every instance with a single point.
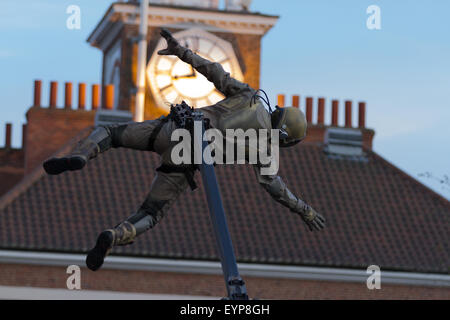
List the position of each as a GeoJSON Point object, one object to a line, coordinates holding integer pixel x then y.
{"type": "Point", "coordinates": [234, 283]}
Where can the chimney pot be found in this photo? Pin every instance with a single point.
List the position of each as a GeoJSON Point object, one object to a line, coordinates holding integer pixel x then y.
{"type": "Point", "coordinates": [348, 114]}
{"type": "Point", "coordinates": [309, 106]}
{"type": "Point", "coordinates": [81, 96]}
{"type": "Point", "coordinates": [334, 113]}
{"type": "Point", "coordinates": [8, 136]}
{"type": "Point", "coordinates": [280, 100]}
{"type": "Point", "coordinates": [109, 96]}
{"type": "Point", "coordinates": [320, 111]}
{"type": "Point", "coordinates": [37, 93]}
{"type": "Point", "coordinates": [53, 93]}
{"type": "Point", "coordinates": [296, 101]}
{"type": "Point", "coordinates": [68, 95]}
{"type": "Point", "coordinates": [362, 115]}
{"type": "Point", "coordinates": [95, 96]}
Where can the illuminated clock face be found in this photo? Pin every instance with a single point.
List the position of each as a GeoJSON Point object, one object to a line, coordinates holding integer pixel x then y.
{"type": "Point", "coordinates": [172, 80]}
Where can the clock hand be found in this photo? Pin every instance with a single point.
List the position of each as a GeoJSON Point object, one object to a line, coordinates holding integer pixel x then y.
{"type": "Point", "coordinates": [191, 75]}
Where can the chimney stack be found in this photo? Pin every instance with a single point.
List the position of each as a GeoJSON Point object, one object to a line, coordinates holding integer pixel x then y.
{"type": "Point", "coordinates": [317, 130]}
{"type": "Point", "coordinates": [65, 121]}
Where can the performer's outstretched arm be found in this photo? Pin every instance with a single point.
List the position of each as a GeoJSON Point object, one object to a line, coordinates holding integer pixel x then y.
{"type": "Point", "coordinates": [213, 71]}
{"type": "Point", "coordinates": [276, 187]}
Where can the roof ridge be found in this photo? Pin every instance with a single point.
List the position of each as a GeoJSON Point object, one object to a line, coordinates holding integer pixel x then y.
{"type": "Point", "coordinates": [38, 172]}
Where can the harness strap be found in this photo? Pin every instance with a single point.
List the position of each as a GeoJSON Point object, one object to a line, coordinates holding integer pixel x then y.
{"type": "Point", "coordinates": [181, 114]}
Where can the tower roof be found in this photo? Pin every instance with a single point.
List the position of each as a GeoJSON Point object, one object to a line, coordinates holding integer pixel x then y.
{"type": "Point", "coordinates": [183, 17]}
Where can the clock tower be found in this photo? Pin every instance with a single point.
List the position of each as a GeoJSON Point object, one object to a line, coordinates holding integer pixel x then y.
{"type": "Point", "coordinates": [230, 36]}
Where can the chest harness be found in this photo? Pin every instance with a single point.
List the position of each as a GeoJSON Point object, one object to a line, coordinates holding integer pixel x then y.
{"type": "Point", "coordinates": [181, 115]}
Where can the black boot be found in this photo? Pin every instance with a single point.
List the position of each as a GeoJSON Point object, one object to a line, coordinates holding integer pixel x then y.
{"type": "Point", "coordinates": [98, 141]}
{"type": "Point", "coordinates": [121, 235]}
{"type": "Point", "coordinates": [59, 165]}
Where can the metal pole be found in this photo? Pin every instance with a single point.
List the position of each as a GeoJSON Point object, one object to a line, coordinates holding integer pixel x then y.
{"type": "Point", "coordinates": [234, 283]}
{"type": "Point", "coordinates": [142, 59]}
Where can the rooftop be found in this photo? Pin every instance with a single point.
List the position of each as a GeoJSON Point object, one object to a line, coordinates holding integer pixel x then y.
{"type": "Point", "coordinates": [376, 214]}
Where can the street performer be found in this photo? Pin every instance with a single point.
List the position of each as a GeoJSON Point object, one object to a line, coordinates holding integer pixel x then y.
{"type": "Point", "coordinates": [239, 110]}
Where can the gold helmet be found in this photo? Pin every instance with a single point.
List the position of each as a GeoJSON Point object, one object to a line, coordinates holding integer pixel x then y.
{"type": "Point", "coordinates": [292, 124]}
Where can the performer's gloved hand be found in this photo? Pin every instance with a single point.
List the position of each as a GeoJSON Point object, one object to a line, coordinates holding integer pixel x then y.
{"type": "Point", "coordinates": [311, 217]}
{"type": "Point", "coordinates": [173, 47]}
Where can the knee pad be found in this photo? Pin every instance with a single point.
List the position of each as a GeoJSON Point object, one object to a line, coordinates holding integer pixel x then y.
{"type": "Point", "coordinates": [148, 215]}
{"type": "Point", "coordinates": [141, 221]}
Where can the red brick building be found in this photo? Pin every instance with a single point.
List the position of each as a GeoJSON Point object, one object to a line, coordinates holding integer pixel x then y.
{"type": "Point", "coordinates": [376, 214]}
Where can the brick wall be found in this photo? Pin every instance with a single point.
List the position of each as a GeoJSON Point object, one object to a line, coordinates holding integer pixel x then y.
{"type": "Point", "coordinates": [48, 129]}
{"type": "Point", "coordinates": [11, 161]}
{"type": "Point", "coordinates": [248, 52]}
{"type": "Point", "coordinates": [208, 285]}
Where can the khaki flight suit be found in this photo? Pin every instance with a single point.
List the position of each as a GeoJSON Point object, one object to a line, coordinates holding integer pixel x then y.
{"type": "Point", "coordinates": [235, 111]}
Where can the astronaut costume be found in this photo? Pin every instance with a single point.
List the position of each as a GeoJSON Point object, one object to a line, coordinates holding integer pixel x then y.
{"type": "Point", "coordinates": [239, 110]}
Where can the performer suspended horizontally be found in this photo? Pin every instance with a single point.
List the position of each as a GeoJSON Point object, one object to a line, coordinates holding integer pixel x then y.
{"type": "Point", "coordinates": [239, 110]}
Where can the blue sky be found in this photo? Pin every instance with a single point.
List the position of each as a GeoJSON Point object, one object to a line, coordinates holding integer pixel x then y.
{"type": "Point", "coordinates": [317, 48]}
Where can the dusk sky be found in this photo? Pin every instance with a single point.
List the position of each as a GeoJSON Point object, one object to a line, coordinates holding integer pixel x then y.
{"type": "Point", "coordinates": [319, 48]}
